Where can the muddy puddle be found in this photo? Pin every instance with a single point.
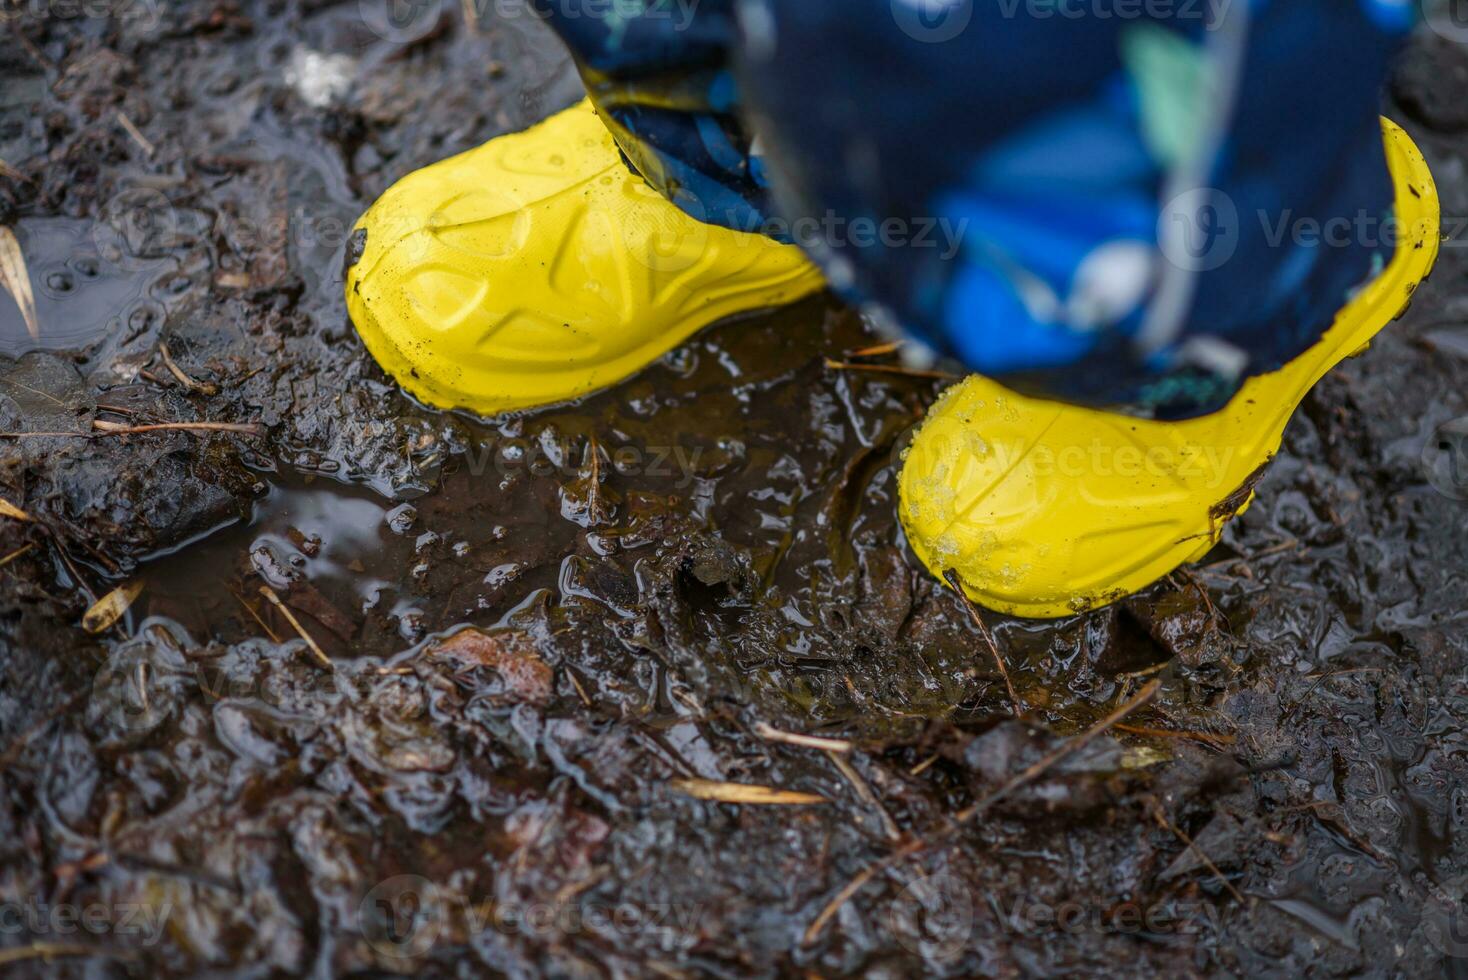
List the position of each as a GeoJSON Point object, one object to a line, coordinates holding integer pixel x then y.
{"type": "Point", "coordinates": [404, 691]}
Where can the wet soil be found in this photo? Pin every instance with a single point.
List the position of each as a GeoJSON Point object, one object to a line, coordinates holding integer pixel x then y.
{"type": "Point", "coordinates": [468, 737]}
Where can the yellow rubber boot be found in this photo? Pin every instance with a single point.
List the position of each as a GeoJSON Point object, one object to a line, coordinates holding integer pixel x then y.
{"type": "Point", "coordinates": [1045, 509]}
{"type": "Point", "coordinates": [538, 268]}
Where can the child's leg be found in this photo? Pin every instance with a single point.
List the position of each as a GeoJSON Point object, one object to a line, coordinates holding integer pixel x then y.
{"type": "Point", "coordinates": [1157, 219]}
{"type": "Point", "coordinates": [540, 267]}
{"type": "Point", "coordinates": [1052, 179]}
{"type": "Point", "coordinates": [658, 73]}
{"type": "Point", "coordinates": [1111, 209]}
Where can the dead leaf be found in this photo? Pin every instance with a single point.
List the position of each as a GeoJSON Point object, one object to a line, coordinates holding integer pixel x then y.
{"type": "Point", "coordinates": [7, 509]}
{"type": "Point", "coordinates": [109, 609]}
{"type": "Point", "coordinates": [16, 279]}
{"type": "Point", "coordinates": [708, 789]}
{"type": "Point", "coordinates": [512, 654]}
{"type": "Point", "coordinates": [1142, 756]}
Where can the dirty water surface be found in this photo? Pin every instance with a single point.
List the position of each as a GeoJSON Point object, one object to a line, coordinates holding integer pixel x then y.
{"type": "Point", "coordinates": [402, 691]}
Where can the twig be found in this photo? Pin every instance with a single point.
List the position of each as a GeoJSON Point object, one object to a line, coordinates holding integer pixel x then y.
{"type": "Point", "coordinates": [1136, 675]}
{"type": "Point", "coordinates": [183, 378]}
{"type": "Point", "coordinates": [1064, 750]}
{"type": "Point", "coordinates": [772, 734]}
{"type": "Point", "coordinates": [580, 691]}
{"type": "Point", "coordinates": [16, 554]}
{"type": "Point", "coordinates": [137, 134]}
{"type": "Point", "coordinates": [47, 435]}
{"type": "Point", "coordinates": [876, 350]}
{"type": "Point", "coordinates": [571, 889]}
{"type": "Point", "coordinates": [13, 751]}
{"type": "Point", "coordinates": [1167, 824]}
{"type": "Point", "coordinates": [1345, 670]}
{"type": "Point", "coordinates": [35, 391]}
{"type": "Point", "coordinates": [251, 610]}
{"type": "Point", "coordinates": [856, 885]}
{"type": "Point", "coordinates": [923, 766]}
{"type": "Point", "coordinates": [721, 792]}
{"type": "Point", "coordinates": [1321, 679]}
{"type": "Point", "coordinates": [31, 49]}
{"type": "Point", "coordinates": [6, 170]}
{"type": "Point", "coordinates": [48, 951]}
{"type": "Point", "coordinates": [818, 925]}
{"type": "Point", "coordinates": [890, 369]}
{"type": "Point", "coordinates": [889, 826]}
{"type": "Point", "coordinates": [113, 428]}
{"type": "Point", "coordinates": [285, 611]}
{"type": "Point", "coordinates": [1209, 738]}
{"type": "Point", "coordinates": [1273, 549]}
{"type": "Point", "coordinates": [76, 576]}
{"type": "Point", "coordinates": [1192, 580]}
{"type": "Point", "coordinates": [951, 577]}
{"type": "Point", "coordinates": [105, 428]}
{"type": "Point", "coordinates": [471, 15]}
{"type": "Point", "coordinates": [593, 494]}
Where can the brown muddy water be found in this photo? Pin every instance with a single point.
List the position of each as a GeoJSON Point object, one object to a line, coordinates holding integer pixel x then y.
{"type": "Point", "coordinates": [529, 637]}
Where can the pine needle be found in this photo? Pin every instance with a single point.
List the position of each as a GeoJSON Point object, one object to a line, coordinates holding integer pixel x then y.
{"type": "Point", "coordinates": [117, 429]}
{"type": "Point", "coordinates": [145, 144]}
{"type": "Point", "coordinates": [771, 734]}
{"type": "Point", "coordinates": [20, 552]}
{"type": "Point", "coordinates": [708, 789]}
{"type": "Point", "coordinates": [951, 576]}
{"type": "Point", "coordinates": [290, 617]}
{"type": "Point", "coordinates": [16, 279]}
{"type": "Point", "coordinates": [891, 369]}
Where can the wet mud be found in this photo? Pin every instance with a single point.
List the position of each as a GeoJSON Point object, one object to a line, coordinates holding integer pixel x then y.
{"type": "Point", "coordinates": [404, 691]}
